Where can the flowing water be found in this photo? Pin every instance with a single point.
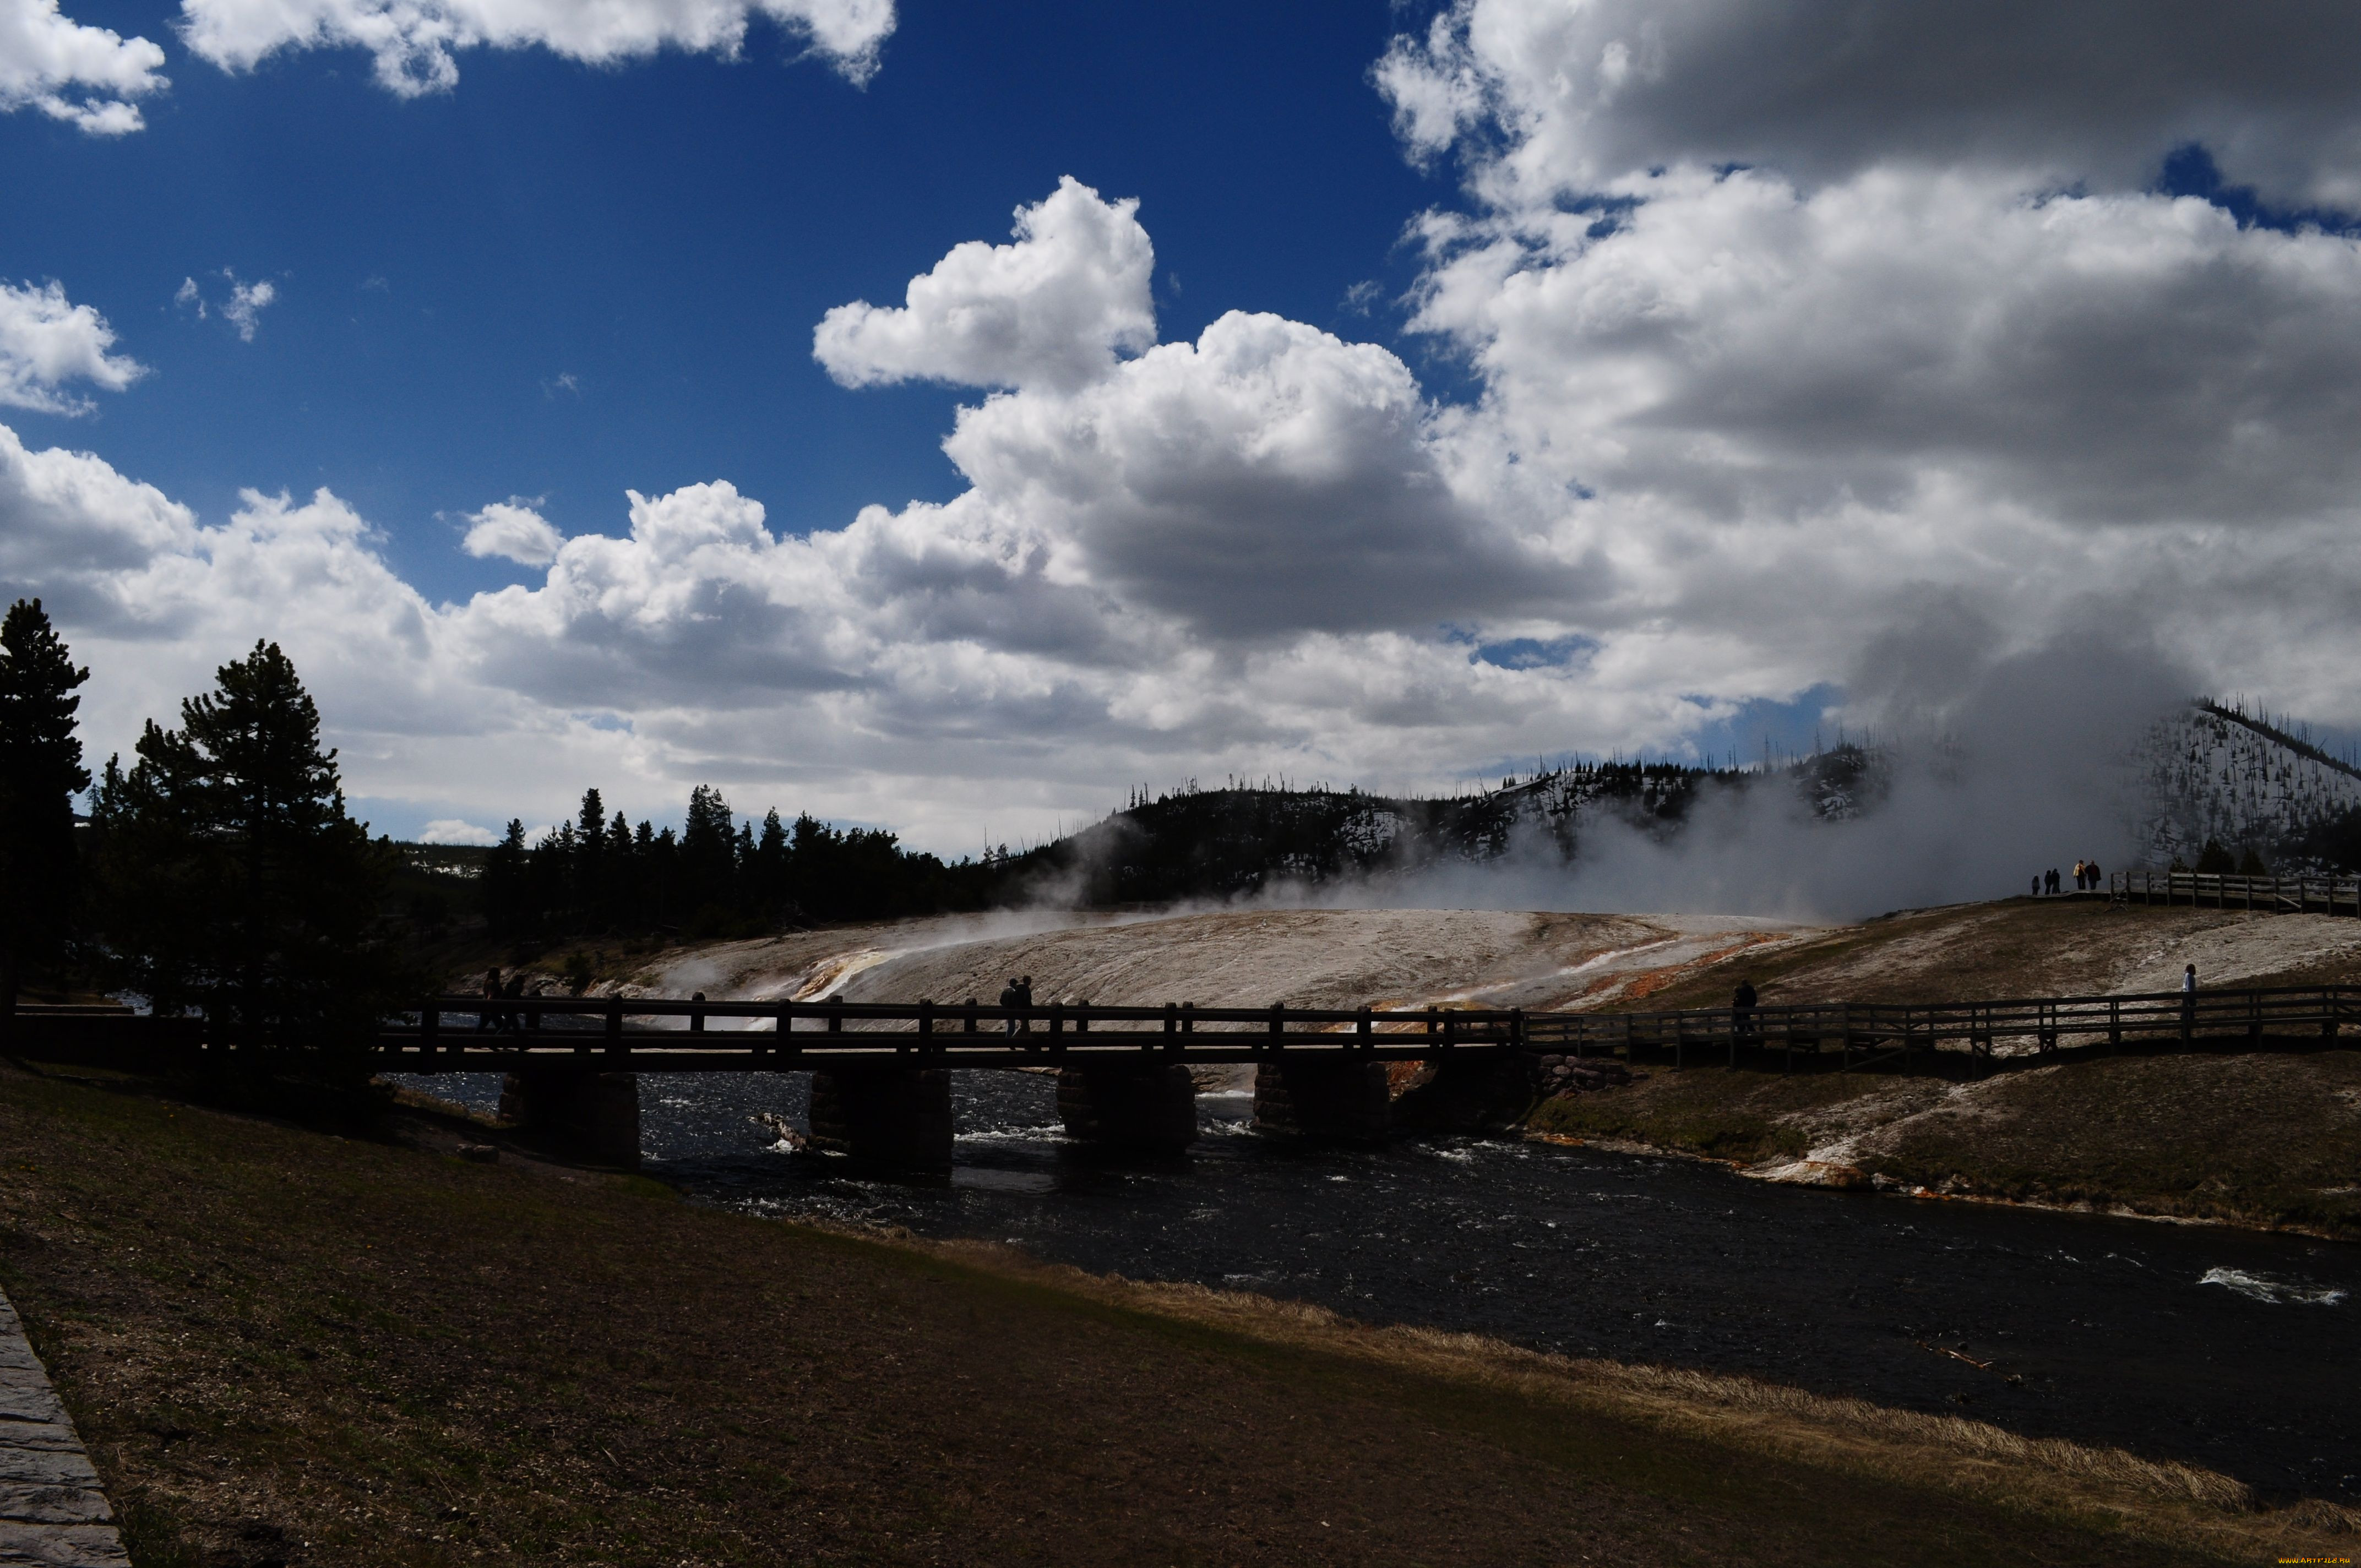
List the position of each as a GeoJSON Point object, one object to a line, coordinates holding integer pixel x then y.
{"type": "Point", "coordinates": [2234, 1350]}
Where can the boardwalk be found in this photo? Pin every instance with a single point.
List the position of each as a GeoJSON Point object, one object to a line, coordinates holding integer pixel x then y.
{"type": "Point", "coordinates": [2270, 894]}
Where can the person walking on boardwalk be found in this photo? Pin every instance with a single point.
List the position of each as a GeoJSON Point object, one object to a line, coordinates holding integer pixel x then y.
{"type": "Point", "coordinates": [1025, 999]}
{"type": "Point", "coordinates": [2188, 1000]}
{"type": "Point", "coordinates": [490, 1017]}
{"type": "Point", "coordinates": [2093, 868]}
{"type": "Point", "coordinates": [2052, 879]}
{"type": "Point", "coordinates": [1010, 997]}
{"type": "Point", "coordinates": [2081, 875]}
{"type": "Point", "coordinates": [2037, 885]}
{"type": "Point", "coordinates": [1741, 1011]}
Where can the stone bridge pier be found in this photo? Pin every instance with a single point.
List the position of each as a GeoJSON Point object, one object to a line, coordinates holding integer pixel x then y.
{"type": "Point", "coordinates": [891, 1116]}
{"type": "Point", "coordinates": [1330, 1099]}
{"type": "Point", "coordinates": [1130, 1108]}
{"type": "Point", "coordinates": [577, 1110]}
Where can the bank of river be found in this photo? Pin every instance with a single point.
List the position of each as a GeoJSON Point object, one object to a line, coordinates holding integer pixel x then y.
{"type": "Point", "coordinates": [2228, 1349]}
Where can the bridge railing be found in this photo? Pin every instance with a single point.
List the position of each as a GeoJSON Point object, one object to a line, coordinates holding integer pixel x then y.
{"type": "Point", "coordinates": [648, 1013]}
{"type": "Point", "coordinates": [2206, 890]}
{"type": "Point", "coordinates": [469, 1034]}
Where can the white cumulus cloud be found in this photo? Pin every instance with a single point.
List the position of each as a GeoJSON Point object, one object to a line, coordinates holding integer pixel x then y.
{"type": "Point", "coordinates": [1054, 309]}
{"type": "Point", "coordinates": [512, 531]}
{"type": "Point", "coordinates": [46, 342]}
{"type": "Point", "coordinates": [415, 43]}
{"type": "Point", "coordinates": [2100, 91]}
{"type": "Point", "coordinates": [1823, 314]}
{"type": "Point", "coordinates": [86, 76]}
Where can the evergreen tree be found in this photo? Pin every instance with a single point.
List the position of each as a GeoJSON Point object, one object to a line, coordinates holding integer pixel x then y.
{"type": "Point", "coordinates": [41, 772]}
{"type": "Point", "coordinates": [769, 877]}
{"type": "Point", "coordinates": [231, 882]}
{"type": "Point", "coordinates": [623, 879]}
{"type": "Point", "coordinates": [708, 854]}
{"type": "Point", "coordinates": [504, 883]}
{"type": "Point", "coordinates": [590, 860]}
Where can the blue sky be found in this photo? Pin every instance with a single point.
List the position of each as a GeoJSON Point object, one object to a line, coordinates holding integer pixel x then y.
{"type": "Point", "coordinates": [666, 233]}
{"type": "Point", "coordinates": [1513, 378]}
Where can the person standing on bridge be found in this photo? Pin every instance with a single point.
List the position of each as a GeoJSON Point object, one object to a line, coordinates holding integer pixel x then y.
{"type": "Point", "coordinates": [1025, 999]}
{"type": "Point", "coordinates": [1010, 998]}
{"type": "Point", "coordinates": [2188, 1000]}
{"type": "Point", "coordinates": [489, 1018]}
{"type": "Point", "coordinates": [1741, 1011]}
{"type": "Point", "coordinates": [2081, 875]}
{"type": "Point", "coordinates": [2037, 885]}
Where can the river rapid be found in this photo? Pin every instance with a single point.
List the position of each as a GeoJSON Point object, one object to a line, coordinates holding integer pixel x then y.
{"type": "Point", "coordinates": [2229, 1349]}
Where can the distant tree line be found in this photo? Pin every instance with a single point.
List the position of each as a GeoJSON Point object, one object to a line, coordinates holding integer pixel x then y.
{"type": "Point", "coordinates": [715, 877]}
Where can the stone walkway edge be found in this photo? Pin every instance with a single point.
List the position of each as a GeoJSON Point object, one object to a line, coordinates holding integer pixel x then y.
{"type": "Point", "coordinates": [52, 1509]}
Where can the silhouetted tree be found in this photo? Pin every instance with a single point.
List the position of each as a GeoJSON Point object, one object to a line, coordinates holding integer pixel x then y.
{"type": "Point", "coordinates": [41, 772]}
{"type": "Point", "coordinates": [232, 881]}
{"type": "Point", "coordinates": [590, 860]}
{"type": "Point", "coordinates": [708, 857]}
{"type": "Point", "coordinates": [507, 904]}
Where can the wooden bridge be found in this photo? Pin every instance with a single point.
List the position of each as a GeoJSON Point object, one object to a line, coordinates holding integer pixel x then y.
{"type": "Point", "coordinates": [880, 1086]}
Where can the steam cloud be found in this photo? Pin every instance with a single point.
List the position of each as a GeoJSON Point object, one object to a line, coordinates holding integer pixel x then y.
{"type": "Point", "coordinates": [2004, 763]}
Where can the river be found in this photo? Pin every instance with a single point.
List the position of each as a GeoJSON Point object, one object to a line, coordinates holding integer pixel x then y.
{"type": "Point", "coordinates": [2233, 1350]}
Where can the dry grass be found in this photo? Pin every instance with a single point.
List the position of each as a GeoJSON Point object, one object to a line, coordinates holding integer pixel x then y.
{"type": "Point", "coordinates": [290, 1349]}
{"type": "Point", "coordinates": [2174, 1505]}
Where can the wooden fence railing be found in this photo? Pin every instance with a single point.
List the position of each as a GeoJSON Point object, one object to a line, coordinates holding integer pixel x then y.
{"type": "Point", "coordinates": [456, 1033]}
{"type": "Point", "coordinates": [2280, 895]}
{"type": "Point", "coordinates": [466, 1034]}
{"type": "Point", "coordinates": [1880, 1030]}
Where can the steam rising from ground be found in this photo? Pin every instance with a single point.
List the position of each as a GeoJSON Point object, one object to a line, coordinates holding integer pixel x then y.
{"type": "Point", "coordinates": [2003, 764]}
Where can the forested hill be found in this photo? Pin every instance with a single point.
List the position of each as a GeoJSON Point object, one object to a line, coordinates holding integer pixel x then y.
{"type": "Point", "coordinates": [1220, 843]}
{"type": "Point", "coordinates": [2219, 784]}
{"type": "Point", "coordinates": [718, 876]}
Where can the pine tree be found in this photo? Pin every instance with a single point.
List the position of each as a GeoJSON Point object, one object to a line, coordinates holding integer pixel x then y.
{"type": "Point", "coordinates": [41, 772]}
{"type": "Point", "coordinates": [504, 883]}
{"type": "Point", "coordinates": [232, 881]}
{"type": "Point", "coordinates": [590, 860]}
{"type": "Point", "coordinates": [708, 854]}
